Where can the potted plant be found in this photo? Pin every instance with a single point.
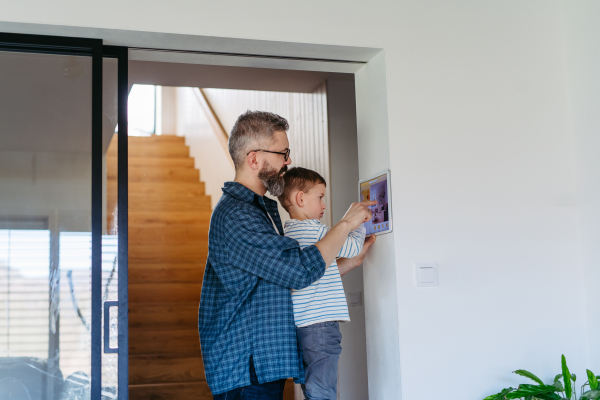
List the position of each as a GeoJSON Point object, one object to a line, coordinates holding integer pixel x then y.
{"type": "Point", "coordinates": [561, 389]}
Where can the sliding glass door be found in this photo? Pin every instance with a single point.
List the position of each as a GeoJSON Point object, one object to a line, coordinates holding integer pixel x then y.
{"type": "Point", "coordinates": [61, 254]}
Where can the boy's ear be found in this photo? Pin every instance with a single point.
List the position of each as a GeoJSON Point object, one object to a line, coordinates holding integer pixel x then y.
{"type": "Point", "coordinates": [299, 198]}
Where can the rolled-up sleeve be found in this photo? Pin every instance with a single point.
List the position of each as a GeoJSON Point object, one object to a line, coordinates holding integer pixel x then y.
{"type": "Point", "coordinates": [255, 247]}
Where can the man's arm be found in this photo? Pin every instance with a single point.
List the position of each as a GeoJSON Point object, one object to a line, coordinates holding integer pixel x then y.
{"type": "Point", "coordinates": [330, 245]}
{"type": "Point", "coordinates": [253, 246]}
{"type": "Point", "coordinates": [346, 265]}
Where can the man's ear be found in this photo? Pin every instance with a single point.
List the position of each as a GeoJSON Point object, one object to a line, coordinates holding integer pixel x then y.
{"type": "Point", "coordinates": [251, 160]}
{"type": "Point", "coordinates": [300, 198]}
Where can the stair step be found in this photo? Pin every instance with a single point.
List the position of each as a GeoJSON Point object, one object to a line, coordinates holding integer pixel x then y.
{"type": "Point", "coordinates": [166, 368]}
{"type": "Point", "coordinates": [158, 174]}
{"type": "Point", "coordinates": [170, 150]}
{"type": "Point", "coordinates": [156, 189]}
{"type": "Point", "coordinates": [136, 143]}
{"type": "Point", "coordinates": [133, 140]}
{"type": "Point", "coordinates": [164, 292]}
{"type": "Point", "coordinates": [180, 253]}
{"type": "Point", "coordinates": [165, 272]}
{"type": "Point", "coordinates": [164, 162]}
{"type": "Point", "coordinates": [171, 234]}
{"type": "Point", "coordinates": [180, 315]}
{"type": "Point", "coordinates": [148, 341]}
{"type": "Point", "coordinates": [172, 391]}
{"type": "Point", "coordinates": [168, 218]}
{"type": "Point", "coordinates": [167, 201]}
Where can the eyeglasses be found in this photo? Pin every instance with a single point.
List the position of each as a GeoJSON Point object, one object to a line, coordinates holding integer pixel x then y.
{"type": "Point", "coordinates": [285, 154]}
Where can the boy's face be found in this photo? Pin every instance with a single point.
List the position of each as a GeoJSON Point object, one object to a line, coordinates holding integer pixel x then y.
{"type": "Point", "coordinates": [314, 204]}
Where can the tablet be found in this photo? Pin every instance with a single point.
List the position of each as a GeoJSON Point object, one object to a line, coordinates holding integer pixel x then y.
{"type": "Point", "coordinates": [378, 188]}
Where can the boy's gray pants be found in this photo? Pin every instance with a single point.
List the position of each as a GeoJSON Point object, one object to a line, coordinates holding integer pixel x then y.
{"type": "Point", "coordinates": [321, 347]}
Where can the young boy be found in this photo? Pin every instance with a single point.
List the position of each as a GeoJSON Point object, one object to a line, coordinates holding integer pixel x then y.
{"type": "Point", "coordinates": [318, 308]}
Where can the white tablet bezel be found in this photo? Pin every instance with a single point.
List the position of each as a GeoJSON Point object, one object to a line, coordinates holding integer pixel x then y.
{"type": "Point", "coordinates": [389, 194]}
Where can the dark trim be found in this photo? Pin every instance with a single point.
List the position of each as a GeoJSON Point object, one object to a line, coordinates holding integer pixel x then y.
{"type": "Point", "coordinates": [96, 372]}
{"type": "Point", "coordinates": [122, 55]}
{"type": "Point", "coordinates": [107, 306]}
{"type": "Point", "coordinates": [46, 44]}
{"type": "Point", "coordinates": [266, 56]}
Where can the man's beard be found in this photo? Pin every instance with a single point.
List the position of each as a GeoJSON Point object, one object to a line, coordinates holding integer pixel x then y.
{"type": "Point", "coordinates": [272, 179]}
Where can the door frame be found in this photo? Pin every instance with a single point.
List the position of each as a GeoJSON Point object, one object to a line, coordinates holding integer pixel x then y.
{"type": "Point", "coordinates": [61, 45]}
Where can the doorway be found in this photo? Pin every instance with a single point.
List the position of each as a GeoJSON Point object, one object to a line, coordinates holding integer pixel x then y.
{"type": "Point", "coordinates": [203, 116]}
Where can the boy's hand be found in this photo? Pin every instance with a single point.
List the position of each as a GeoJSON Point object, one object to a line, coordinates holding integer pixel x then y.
{"type": "Point", "coordinates": [369, 240]}
{"type": "Point", "coordinates": [358, 213]}
{"type": "Point", "coordinates": [345, 265]}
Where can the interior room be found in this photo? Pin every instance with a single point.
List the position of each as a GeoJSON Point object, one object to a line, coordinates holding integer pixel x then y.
{"type": "Point", "coordinates": [485, 114]}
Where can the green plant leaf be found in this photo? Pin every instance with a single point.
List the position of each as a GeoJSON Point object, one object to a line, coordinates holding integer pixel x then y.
{"type": "Point", "coordinates": [591, 395]}
{"type": "Point", "coordinates": [593, 380]}
{"type": "Point", "coordinates": [525, 390]}
{"type": "Point", "coordinates": [529, 375]}
{"type": "Point", "coordinates": [557, 377]}
{"type": "Point", "coordinates": [566, 378]}
{"type": "Point", "coordinates": [548, 396]}
{"type": "Point", "coordinates": [501, 395]}
{"type": "Point", "coordinates": [559, 386]}
{"type": "Point", "coordinates": [574, 377]}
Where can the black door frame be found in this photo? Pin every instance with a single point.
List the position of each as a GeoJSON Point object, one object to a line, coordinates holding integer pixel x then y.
{"type": "Point", "coordinates": [94, 48]}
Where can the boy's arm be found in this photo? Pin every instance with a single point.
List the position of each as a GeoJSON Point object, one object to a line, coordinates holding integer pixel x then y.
{"type": "Point", "coordinates": [357, 214]}
{"type": "Point", "coordinates": [353, 243]}
{"type": "Point", "coordinates": [346, 265]}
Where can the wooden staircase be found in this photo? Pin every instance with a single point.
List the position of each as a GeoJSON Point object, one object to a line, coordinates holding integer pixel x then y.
{"type": "Point", "coordinates": [169, 217]}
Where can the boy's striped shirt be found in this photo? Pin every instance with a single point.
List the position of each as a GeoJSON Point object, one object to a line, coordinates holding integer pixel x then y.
{"type": "Point", "coordinates": [324, 300]}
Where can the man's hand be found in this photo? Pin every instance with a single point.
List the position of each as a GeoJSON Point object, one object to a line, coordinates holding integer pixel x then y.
{"type": "Point", "coordinates": [358, 213]}
{"type": "Point", "coordinates": [345, 265]}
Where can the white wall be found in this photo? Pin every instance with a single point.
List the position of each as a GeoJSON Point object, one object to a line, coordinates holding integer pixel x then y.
{"type": "Point", "coordinates": [582, 28]}
{"type": "Point", "coordinates": [341, 114]}
{"type": "Point", "coordinates": [484, 175]}
{"type": "Point", "coordinates": [476, 115]}
{"type": "Point", "coordinates": [379, 269]}
{"type": "Point", "coordinates": [209, 156]}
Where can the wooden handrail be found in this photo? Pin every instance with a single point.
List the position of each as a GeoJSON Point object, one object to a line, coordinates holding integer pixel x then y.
{"type": "Point", "coordinates": [214, 120]}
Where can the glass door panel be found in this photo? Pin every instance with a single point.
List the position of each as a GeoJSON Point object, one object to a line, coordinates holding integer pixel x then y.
{"type": "Point", "coordinates": [110, 228]}
{"type": "Point", "coordinates": [45, 225]}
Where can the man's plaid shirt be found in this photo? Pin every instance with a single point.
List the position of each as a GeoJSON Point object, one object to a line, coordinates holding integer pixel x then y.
{"type": "Point", "coordinates": [246, 304]}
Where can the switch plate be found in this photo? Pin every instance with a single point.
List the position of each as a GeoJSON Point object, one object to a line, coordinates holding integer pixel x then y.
{"type": "Point", "coordinates": [355, 299]}
{"type": "Point", "coordinates": [426, 275]}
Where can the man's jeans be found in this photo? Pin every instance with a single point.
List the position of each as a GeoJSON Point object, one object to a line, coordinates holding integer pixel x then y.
{"type": "Point", "coordinates": [256, 391]}
{"type": "Point", "coordinates": [321, 346]}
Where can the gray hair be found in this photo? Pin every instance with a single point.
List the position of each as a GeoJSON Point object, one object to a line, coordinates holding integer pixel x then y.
{"type": "Point", "coordinates": [253, 128]}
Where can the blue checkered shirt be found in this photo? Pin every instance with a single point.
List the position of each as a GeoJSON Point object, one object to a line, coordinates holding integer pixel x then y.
{"type": "Point", "coordinates": [246, 304]}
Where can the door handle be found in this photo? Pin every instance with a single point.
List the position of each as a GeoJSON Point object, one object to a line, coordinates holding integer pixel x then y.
{"type": "Point", "coordinates": [107, 306]}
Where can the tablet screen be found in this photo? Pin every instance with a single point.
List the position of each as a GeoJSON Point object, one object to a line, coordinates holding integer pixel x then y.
{"type": "Point", "coordinates": [377, 189]}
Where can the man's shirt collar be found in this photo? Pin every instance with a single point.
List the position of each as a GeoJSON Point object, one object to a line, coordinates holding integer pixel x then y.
{"type": "Point", "coordinates": [242, 193]}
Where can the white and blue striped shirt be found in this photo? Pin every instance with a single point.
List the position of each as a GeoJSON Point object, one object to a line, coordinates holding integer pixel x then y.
{"type": "Point", "coordinates": [324, 300]}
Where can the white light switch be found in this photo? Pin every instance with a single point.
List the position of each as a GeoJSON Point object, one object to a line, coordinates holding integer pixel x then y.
{"type": "Point", "coordinates": [355, 299]}
{"type": "Point", "coordinates": [426, 275]}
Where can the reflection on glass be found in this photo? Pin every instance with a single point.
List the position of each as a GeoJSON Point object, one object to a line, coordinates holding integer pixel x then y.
{"type": "Point", "coordinates": [142, 110]}
{"type": "Point", "coordinates": [45, 224]}
{"type": "Point", "coordinates": [110, 267]}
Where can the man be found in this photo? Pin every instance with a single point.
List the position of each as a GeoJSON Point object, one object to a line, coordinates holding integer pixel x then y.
{"type": "Point", "coordinates": [246, 323]}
